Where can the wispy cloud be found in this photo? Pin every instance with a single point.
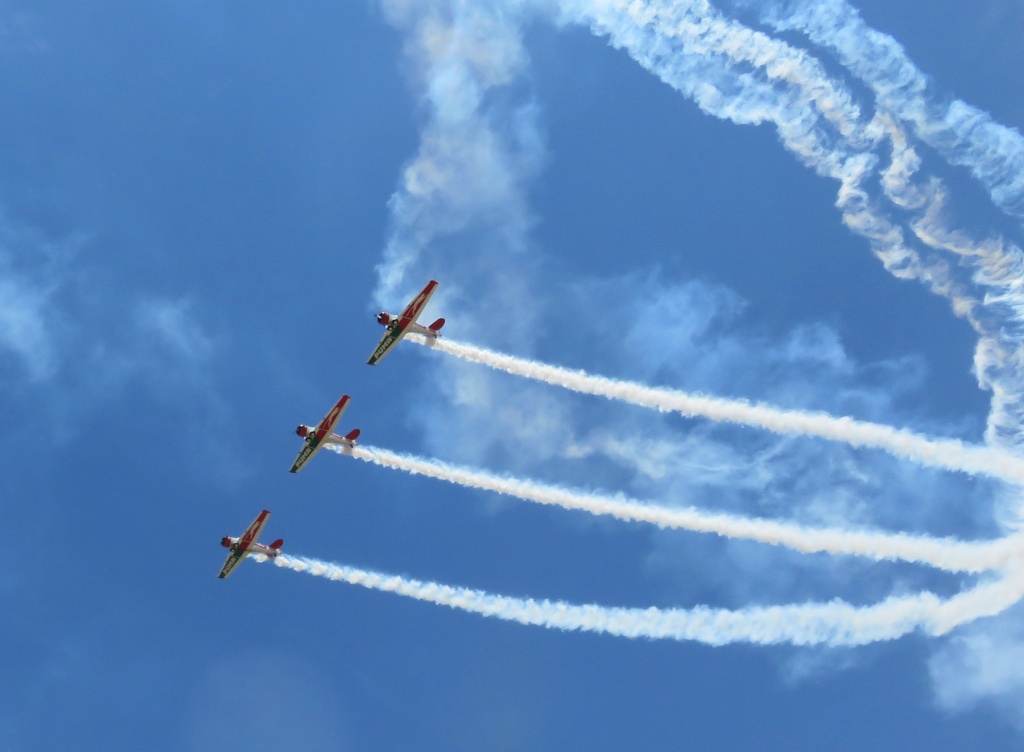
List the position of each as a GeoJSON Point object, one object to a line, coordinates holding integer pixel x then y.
{"type": "Point", "coordinates": [72, 340]}
{"type": "Point", "coordinates": [24, 330]}
{"type": "Point", "coordinates": [34, 273]}
{"type": "Point", "coordinates": [980, 665]}
{"type": "Point", "coordinates": [175, 324]}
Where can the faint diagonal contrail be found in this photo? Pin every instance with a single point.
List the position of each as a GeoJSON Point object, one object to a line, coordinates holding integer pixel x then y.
{"type": "Point", "coordinates": [942, 553]}
{"type": "Point", "coordinates": [834, 623]}
{"type": "Point", "coordinates": [947, 454]}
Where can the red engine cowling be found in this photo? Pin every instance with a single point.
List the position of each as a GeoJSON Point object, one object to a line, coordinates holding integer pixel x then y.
{"type": "Point", "coordinates": [383, 318]}
{"type": "Point", "coordinates": [302, 431]}
{"type": "Point", "coordinates": [226, 542]}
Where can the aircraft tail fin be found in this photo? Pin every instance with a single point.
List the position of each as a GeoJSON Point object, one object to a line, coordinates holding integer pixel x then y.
{"type": "Point", "coordinates": [278, 543]}
{"type": "Point", "coordinates": [436, 326]}
{"type": "Point", "coordinates": [352, 435]}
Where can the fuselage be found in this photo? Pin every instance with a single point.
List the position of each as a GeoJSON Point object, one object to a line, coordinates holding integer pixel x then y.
{"type": "Point", "coordinates": [253, 548]}
{"type": "Point", "coordinates": [307, 432]}
{"type": "Point", "coordinates": [390, 321]}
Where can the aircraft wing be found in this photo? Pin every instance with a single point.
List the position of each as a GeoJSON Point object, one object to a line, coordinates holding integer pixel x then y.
{"type": "Point", "coordinates": [250, 535]}
{"type": "Point", "coordinates": [413, 310]}
{"type": "Point", "coordinates": [408, 316]}
{"type": "Point", "coordinates": [233, 560]}
{"type": "Point", "coordinates": [389, 340]}
{"type": "Point", "coordinates": [330, 421]}
{"type": "Point", "coordinates": [315, 442]}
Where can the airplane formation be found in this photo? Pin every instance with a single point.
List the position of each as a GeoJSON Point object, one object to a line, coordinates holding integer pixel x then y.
{"type": "Point", "coordinates": [317, 437]}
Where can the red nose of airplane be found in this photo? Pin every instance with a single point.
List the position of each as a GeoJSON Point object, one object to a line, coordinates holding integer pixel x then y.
{"type": "Point", "coordinates": [383, 318]}
{"type": "Point", "coordinates": [302, 431]}
{"type": "Point", "coordinates": [226, 542]}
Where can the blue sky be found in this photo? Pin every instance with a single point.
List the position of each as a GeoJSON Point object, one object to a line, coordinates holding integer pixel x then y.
{"type": "Point", "coordinates": [203, 205]}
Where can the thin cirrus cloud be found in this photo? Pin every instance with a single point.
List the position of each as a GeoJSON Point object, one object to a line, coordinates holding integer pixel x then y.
{"type": "Point", "coordinates": [75, 338]}
{"type": "Point", "coordinates": [25, 332]}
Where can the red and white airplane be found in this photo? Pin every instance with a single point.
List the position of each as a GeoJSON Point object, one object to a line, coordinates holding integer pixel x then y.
{"type": "Point", "coordinates": [399, 326]}
{"type": "Point", "coordinates": [319, 436]}
{"type": "Point", "coordinates": [242, 547]}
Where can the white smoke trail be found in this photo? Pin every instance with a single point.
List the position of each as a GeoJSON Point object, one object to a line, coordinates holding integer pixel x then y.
{"type": "Point", "coordinates": [707, 57]}
{"type": "Point", "coordinates": [963, 134]}
{"type": "Point", "coordinates": [942, 553]}
{"type": "Point", "coordinates": [479, 146]}
{"type": "Point", "coordinates": [948, 454]}
{"type": "Point", "coordinates": [681, 42]}
{"type": "Point", "coordinates": [835, 623]}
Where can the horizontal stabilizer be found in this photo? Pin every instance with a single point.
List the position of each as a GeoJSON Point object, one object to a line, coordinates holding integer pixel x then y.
{"type": "Point", "coordinates": [278, 543]}
{"type": "Point", "coordinates": [436, 326]}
